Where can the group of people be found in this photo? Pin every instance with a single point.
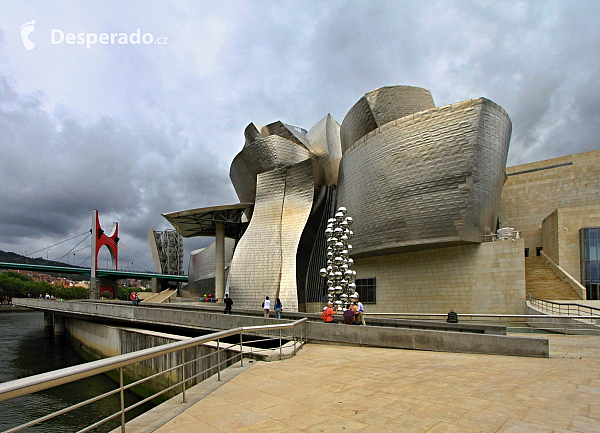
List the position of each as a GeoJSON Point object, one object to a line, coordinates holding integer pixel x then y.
{"type": "Point", "coordinates": [135, 299]}
{"type": "Point", "coordinates": [278, 307]}
{"type": "Point", "coordinates": [354, 314]}
{"type": "Point", "coordinates": [266, 306]}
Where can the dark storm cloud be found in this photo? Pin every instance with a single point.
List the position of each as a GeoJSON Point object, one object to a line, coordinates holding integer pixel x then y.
{"type": "Point", "coordinates": [136, 132]}
{"type": "Point", "coordinates": [55, 171]}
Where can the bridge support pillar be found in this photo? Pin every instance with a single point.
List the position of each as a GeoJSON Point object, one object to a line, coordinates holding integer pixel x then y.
{"type": "Point", "coordinates": [48, 321]}
{"type": "Point", "coordinates": [102, 287]}
{"type": "Point", "coordinates": [59, 325]}
{"type": "Point", "coordinates": [220, 262]}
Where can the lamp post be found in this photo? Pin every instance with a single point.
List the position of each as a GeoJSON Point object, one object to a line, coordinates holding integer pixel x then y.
{"type": "Point", "coordinates": [340, 278]}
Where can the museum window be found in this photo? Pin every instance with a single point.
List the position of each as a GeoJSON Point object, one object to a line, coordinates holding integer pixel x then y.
{"type": "Point", "coordinates": [538, 251]}
{"type": "Point", "coordinates": [590, 261]}
{"type": "Point", "coordinates": [526, 252]}
{"type": "Point", "coordinates": [366, 288]}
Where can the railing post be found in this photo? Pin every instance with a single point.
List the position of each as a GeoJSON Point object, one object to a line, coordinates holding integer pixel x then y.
{"type": "Point", "coordinates": [183, 376]}
{"type": "Point", "coordinates": [294, 337]}
{"type": "Point", "coordinates": [280, 346]}
{"type": "Point", "coordinates": [122, 395]}
{"type": "Point", "coordinates": [241, 350]}
{"type": "Point", "coordinates": [219, 360]}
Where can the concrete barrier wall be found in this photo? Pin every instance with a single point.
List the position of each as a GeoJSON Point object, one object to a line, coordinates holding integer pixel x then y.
{"type": "Point", "coordinates": [95, 341]}
{"type": "Point", "coordinates": [440, 341]}
{"type": "Point", "coordinates": [379, 336]}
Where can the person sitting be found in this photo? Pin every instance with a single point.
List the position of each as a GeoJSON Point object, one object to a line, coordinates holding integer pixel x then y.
{"type": "Point", "coordinates": [328, 313]}
{"type": "Point", "coordinates": [452, 317]}
{"type": "Point", "coordinates": [349, 316]}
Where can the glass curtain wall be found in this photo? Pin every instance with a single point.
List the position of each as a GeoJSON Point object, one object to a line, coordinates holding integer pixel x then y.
{"type": "Point", "coordinates": [590, 261]}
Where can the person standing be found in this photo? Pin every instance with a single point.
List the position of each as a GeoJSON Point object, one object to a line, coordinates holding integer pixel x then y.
{"type": "Point", "coordinates": [266, 307]}
{"type": "Point", "coordinates": [132, 297]}
{"type": "Point", "coordinates": [228, 303]}
{"type": "Point", "coordinates": [361, 313]}
{"type": "Point", "coordinates": [278, 308]}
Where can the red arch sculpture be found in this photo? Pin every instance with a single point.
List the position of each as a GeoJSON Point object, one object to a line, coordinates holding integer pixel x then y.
{"type": "Point", "coordinates": [100, 239]}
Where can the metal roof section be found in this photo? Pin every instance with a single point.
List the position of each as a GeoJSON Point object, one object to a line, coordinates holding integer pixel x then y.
{"type": "Point", "coordinates": [202, 221]}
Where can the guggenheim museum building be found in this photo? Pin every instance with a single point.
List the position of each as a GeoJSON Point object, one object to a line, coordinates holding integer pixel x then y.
{"type": "Point", "coordinates": [440, 222]}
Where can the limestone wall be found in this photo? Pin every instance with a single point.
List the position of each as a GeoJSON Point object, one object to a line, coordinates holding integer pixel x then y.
{"type": "Point", "coordinates": [533, 191]}
{"type": "Point", "coordinates": [485, 278]}
{"type": "Point", "coordinates": [569, 222]}
{"type": "Point", "coordinates": [550, 237]}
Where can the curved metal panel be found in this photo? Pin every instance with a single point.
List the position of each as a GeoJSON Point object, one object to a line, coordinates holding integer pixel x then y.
{"type": "Point", "coordinates": [263, 155]}
{"type": "Point", "coordinates": [324, 142]}
{"type": "Point", "coordinates": [264, 262]}
{"type": "Point", "coordinates": [283, 130]}
{"type": "Point", "coordinates": [429, 178]}
{"type": "Point", "coordinates": [202, 268]}
{"type": "Point", "coordinates": [252, 133]}
{"type": "Point", "coordinates": [381, 106]}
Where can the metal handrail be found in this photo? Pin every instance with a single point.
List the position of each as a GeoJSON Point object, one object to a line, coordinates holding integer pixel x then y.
{"type": "Point", "coordinates": [554, 306]}
{"type": "Point", "coordinates": [39, 382]}
{"type": "Point", "coordinates": [442, 315]}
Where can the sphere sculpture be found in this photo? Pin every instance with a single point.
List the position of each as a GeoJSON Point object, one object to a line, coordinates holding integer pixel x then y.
{"type": "Point", "coordinates": [340, 278]}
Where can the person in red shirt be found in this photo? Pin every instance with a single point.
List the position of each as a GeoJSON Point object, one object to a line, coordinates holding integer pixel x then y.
{"type": "Point", "coordinates": [328, 314]}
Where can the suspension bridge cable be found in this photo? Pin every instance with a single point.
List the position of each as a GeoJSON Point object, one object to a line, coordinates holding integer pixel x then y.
{"type": "Point", "coordinates": [87, 247]}
{"type": "Point", "coordinates": [79, 243]}
{"type": "Point", "coordinates": [88, 257]}
{"type": "Point", "coordinates": [58, 243]}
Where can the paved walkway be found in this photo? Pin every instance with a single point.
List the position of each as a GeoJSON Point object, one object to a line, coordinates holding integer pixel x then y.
{"type": "Point", "coordinates": [348, 389]}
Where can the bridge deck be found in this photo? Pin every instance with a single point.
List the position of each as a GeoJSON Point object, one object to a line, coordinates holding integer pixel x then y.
{"type": "Point", "coordinates": [102, 273]}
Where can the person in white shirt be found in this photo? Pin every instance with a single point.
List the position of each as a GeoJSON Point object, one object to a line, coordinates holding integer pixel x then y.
{"type": "Point", "coordinates": [361, 313]}
{"type": "Point", "coordinates": [266, 306]}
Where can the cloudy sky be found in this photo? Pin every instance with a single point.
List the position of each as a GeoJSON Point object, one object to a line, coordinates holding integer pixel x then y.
{"type": "Point", "coordinates": [136, 130]}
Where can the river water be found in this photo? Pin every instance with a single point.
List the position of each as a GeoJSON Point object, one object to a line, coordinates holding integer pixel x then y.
{"type": "Point", "coordinates": [25, 350]}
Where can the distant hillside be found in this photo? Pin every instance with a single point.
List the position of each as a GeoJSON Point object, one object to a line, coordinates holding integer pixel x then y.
{"type": "Point", "coordinates": [8, 257]}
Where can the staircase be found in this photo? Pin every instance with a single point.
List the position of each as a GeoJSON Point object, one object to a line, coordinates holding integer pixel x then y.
{"type": "Point", "coordinates": [160, 297]}
{"type": "Point", "coordinates": [541, 282]}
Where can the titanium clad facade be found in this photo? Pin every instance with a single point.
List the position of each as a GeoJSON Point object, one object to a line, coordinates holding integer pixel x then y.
{"type": "Point", "coordinates": [324, 143]}
{"type": "Point", "coordinates": [381, 106]}
{"type": "Point", "coordinates": [201, 269]}
{"type": "Point", "coordinates": [264, 263]}
{"type": "Point", "coordinates": [433, 177]}
{"type": "Point", "coordinates": [263, 155]}
{"type": "Point", "coordinates": [412, 176]}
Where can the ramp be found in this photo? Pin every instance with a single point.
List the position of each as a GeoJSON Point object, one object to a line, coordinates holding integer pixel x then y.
{"type": "Point", "coordinates": [161, 297]}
